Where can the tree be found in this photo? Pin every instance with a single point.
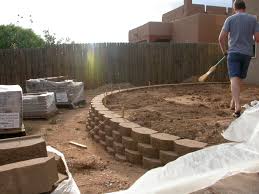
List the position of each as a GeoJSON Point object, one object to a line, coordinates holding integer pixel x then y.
{"type": "Point", "coordinates": [50, 39]}
{"type": "Point", "coordinates": [12, 36]}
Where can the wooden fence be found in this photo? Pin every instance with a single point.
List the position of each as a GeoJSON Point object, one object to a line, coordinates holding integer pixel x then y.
{"type": "Point", "coordinates": [97, 64]}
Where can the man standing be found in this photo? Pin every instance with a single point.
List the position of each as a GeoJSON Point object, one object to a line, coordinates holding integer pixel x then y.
{"type": "Point", "coordinates": [241, 29]}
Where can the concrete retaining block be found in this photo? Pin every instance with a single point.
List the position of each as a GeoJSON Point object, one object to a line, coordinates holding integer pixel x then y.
{"type": "Point", "coordinates": [96, 120]}
{"type": "Point", "coordinates": [114, 123]}
{"type": "Point", "coordinates": [110, 150]}
{"type": "Point", "coordinates": [101, 126]}
{"type": "Point", "coordinates": [167, 156]}
{"type": "Point", "coordinates": [28, 177]}
{"type": "Point", "coordinates": [116, 136]}
{"type": "Point", "coordinates": [102, 135]}
{"type": "Point", "coordinates": [109, 141]}
{"type": "Point", "coordinates": [119, 148]}
{"type": "Point", "coordinates": [92, 133]}
{"type": "Point", "coordinates": [108, 130]}
{"type": "Point", "coordinates": [103, 143]}
{"type": "Point", "coordinates": [129, 143]}
{"type": "Point", "coordinates": [97, 138]}
{"type": "Point", "coordinates": [22, 148]}
{"type": "Point", "coordinates": [120, 158]}
{"type": "Point", "coordinates": [111, 115]}
{"type": "Point", "coordinates": [89, 119]}
{"type": "Point", "coordinates": [60, 164]}
{"type": "Point", "coordinates": [133, 156]}
{"type": "Point", "coordinates": [92, 115]}
{"type": "Point", "coordinates": [101, 114]}
{"type": "Point", "coordinates": [163, 141]}
{"type": "Point", "coordinates": [142, 134]}
{"type": "Point", "coordinates": [149, 163]}
{"type": "Point", "coordinates": [87, 127]}
{"type": "Point", "coordinates": [101, 108]}
{"type": "Point", "coordinates": [96, 130]}
{"type": "Point", "coordinates": [185, 146]}
{"type": "Point", "coordinates": [125, 129]}
{"type": "Point", "coordinates": [92, 124]}
{"type": "Point", "coordinates": [148, 151]}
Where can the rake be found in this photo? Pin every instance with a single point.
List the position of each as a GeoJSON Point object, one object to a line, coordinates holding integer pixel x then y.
{"type": "Point", "coordinates": [211, 70]}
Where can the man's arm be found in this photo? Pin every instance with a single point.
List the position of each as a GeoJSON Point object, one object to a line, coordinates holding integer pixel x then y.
{"type": "Point", "coordinates": [223, 37]}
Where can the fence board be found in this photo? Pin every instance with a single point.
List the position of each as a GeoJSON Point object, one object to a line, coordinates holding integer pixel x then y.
{"type": "Point", "coordinates": [97, 64]}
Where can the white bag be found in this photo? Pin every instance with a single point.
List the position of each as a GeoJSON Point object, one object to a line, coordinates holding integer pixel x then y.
{"type": "Point", "coordinates": [67, 186]}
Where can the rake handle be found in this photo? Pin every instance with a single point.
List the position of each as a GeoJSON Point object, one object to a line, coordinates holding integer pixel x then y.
{"type": "Point", "coordinates": [220, 61]}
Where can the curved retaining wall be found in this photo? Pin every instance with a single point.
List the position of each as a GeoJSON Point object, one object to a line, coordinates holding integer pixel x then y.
{"type": "Point", "coordinates": [128, 141]}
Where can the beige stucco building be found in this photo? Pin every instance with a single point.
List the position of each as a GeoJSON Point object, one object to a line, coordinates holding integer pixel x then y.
{"type": "Point", "coordinates": [253, 73]}
{"type": "Point", "coordinates": [191, 23]}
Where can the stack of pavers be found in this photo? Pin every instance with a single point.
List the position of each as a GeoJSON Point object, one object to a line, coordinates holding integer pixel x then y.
{"type": "Point", "coordinates": [11, 113]}
{"type": "Point", "coordinates": [39, 105]}
{"type": "Point", "coordinates": [26, 167]}
{"type": "Point", "coordinates": [67, 92]}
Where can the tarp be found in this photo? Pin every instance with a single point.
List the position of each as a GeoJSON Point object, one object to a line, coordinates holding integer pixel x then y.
{"type": "Point", "coordinates": [203, 168]}
{"type": "Point", "coordinates": [67, 186]}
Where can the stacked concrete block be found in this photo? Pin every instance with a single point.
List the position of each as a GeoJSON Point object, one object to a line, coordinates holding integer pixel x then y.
{"type": "Point", "coordinates": [20, 149]}
{"type": "Point", "coordinates": [28, 177]}
{"type": "Point", "coordinates": [67, 92]}
{"type": "Point", "coordinates": [185, 146]}
{"type": "Point", "coordinates": [11, 114]}
{"type": "Point", "coordinates": [39, 105]}
{"type": "Point", "coordinates": [125, 129]}
{"type": "Point", "coordinates": [128, 141]}
{"type": "Point", "coordinates": [25, 167]}
{"type": "Point", "coordinates": [165, 143]}
{"type": "Point", "coordinates": [142, 136]}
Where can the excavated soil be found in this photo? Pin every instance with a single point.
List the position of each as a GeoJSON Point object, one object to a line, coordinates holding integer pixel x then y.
{"type": "Point", "coordinates": [198, 112]}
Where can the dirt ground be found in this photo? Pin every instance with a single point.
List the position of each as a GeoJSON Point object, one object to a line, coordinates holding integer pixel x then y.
{"type": "Point", "coordinates": [194, 112]}
{"type": "Point", "coordinates": [93, 169]}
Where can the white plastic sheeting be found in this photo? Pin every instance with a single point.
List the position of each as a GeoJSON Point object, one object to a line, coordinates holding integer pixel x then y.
{"type": "Point", "coordinates": [201, 169]}
{"type": "Point", "coordinates": [67, 186]}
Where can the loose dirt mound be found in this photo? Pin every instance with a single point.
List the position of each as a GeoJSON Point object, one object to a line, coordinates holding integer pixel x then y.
{"type": "Point", "coordinates": [194, 112]}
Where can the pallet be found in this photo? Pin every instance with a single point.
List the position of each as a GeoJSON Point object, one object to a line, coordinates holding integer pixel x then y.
{"type": "Point", "coordinates": [12, 133]}
{"type": "Point", "coordinates": [43, 117]}
{"type": "Point", "coordinates": [71, 105]}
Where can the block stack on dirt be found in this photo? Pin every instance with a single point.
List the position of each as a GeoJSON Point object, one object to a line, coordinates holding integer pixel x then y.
{"type": "Point", "coordinates": [39, 105]}
{"type": "Point", "coordinates": [25, 167]}
{"type": "Point", "coordinates": [67, 92]}
{"type": "Point", "coordinates": [128, 141]}
{"type": "Point", "coordinates": [11, 113]}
